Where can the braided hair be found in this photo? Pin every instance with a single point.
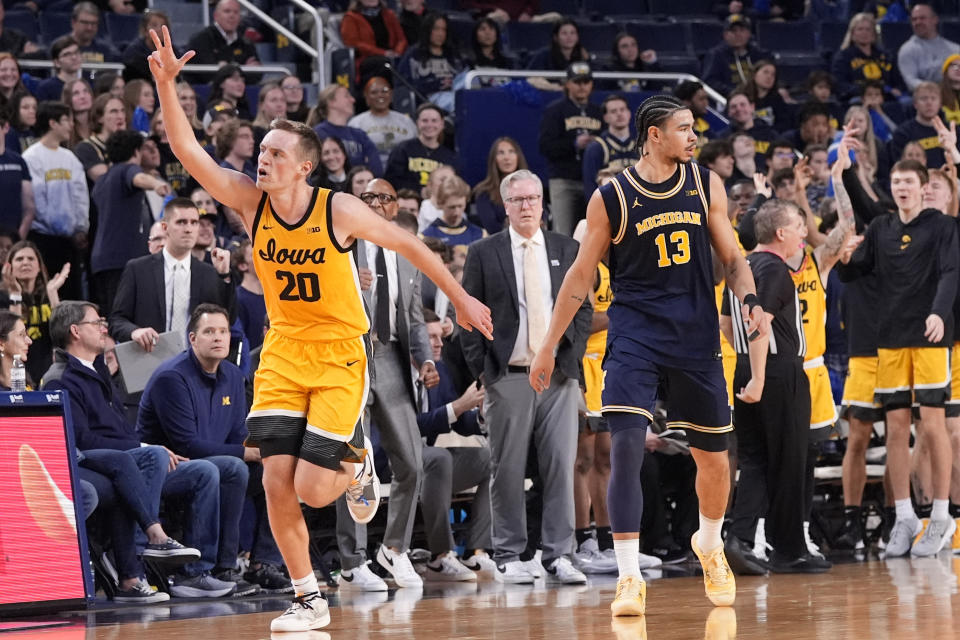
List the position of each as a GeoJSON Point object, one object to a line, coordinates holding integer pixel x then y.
{"type": "Point", "coordinates": [653, 112]}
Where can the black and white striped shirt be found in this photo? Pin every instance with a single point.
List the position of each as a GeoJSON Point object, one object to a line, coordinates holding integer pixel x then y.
{"type": "Point", "coordinates": [777, 296]}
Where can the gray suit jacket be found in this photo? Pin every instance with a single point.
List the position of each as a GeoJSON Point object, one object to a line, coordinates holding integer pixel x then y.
{"type": "Point", "coordinates": [411, 330]}
{"type": "Point", "coordinates": [489, 276]}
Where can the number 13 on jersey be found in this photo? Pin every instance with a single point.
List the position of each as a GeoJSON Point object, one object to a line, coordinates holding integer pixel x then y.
{"type": "Point", "coordinates": [676, 252]}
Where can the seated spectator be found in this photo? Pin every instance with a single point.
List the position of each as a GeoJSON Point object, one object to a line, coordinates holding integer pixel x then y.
{"type": "Point", "coordinates": [23, 121]}
{"type": "Point", "coordinates": [429, 208]}
{"type": "Point", "coordinates": [372, 29]}
{"type": "Point", "coordinates": [614, 148]}
{"type": "Point", "coordinates": [872, 162]}
{"type": "Point", "coordinates": [222, 40]}
{"type": "Point", "coordinates": [717, 155]}
{"type": "Point", "coordinates": [780, 155]}
{"type": "Point", "coordinates": [411, 162]}
{"type": "Point", "coordinates": [926, 99]}
{"type": "Point", "coordinates": [67, 60]}
{"type": "Point", "coordinates": [30, 292]}
{"type": "Point", "coordinates": [13, 41]}
{"type": "Point", "coordinates": [385, 127]}
{"type": "Point", "coordinates": [814, 128]}
{"type": "Point", "coordinates": [921, 57]}
{"type": "Point", "coordinates": [297, 109]}
{"type": "Point", "coordinates": [411, 16]}
{"type": "Point", "coordinates": [141, 102]}
{"type": "Point", "coordinates": [862, 59]}
{"type": "Point", "coordinates": [78, 95]}
{"type": "Point", "coordinates": [449, 471]}
{"type": "Point", "coordinates": [10, 81]}
{"type": "Point", "coordinates": [949, 88]}
{"type": "Point", "coordinates": [819, 175]}
{"type": "Point", "coordinates": [819, 87]}
{"type": "Point", "coordinates": [234, 147]}
{"type": "Point", "coordinates": [107, 116]}
{"type": "Point", "coordinates": [230, 86]}
{"type": "Point", "coordinates": [408, 201]}
{"type": "Point", "coordinates": [564, 48]}
{"type": "Point", "coordinates": [251, 310]}
{"type": "Point", "coordinates": [334, 165]}
{"type": "Point", "coordinates": [742, 195]}
{"type": "Point", "coordinates": [625, 55]}
{"type": "Point", "coordinates": [108, 82]}
{"type": "Point", "coordinates": [452, 226]}
{"type": "Point", "coordinates": [693, 95]}
{"type": "Point", "coordinates": [741, 111]}
{"type": "Point", "coordinates": [746, 160]}
{"type": "Point", "coordinates": [14, 341]}
{"type": "Point", "coordinates": [60, 192]}
{"type": "Point", "coordinates": [124, 220]}
{"type": "Point", "coordinates": [872, 100]}
{"type": "Point", "coordinates": [486, 46]}
{"type": "Point", "coordinates": [135, 55]}
{"type": "Point", "coordinates": [170, 166]}
{"type": "Point", "coordinates": [15, 185]}
{"type": "Point", "coordinates": [568, 125]}
{"type": "Point", "coordinates": [357, 179]}
{"type": "Point", "coordinates": [99, 424]}
{"type": "Point", "coordinates": [84, 24]}
{"type": "Point", "coordinates": [333, 111]}
{"type": "Point", "coordinates": [210, 425]}
{"type": "Point", "coordinates": [432, 63]}
{"type": "Point", "coordinates": [271, 104]}
{"type": "Point", "coordinates": [731, 63]}
{"type": "Point", "coordinates": [186, 282]}
{"type": "Point", "coordinates": [784, 184]}
{"type": "Point", "coordinates": [771, 102]}
{"type": "Point", "coordinates": [504, 158]}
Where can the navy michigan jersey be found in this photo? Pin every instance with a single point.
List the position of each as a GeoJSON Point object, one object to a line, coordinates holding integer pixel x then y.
{"type": "Point", "coordinates": [661, 267]}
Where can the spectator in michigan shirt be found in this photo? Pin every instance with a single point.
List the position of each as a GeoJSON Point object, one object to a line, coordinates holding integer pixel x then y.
{"type": "Point", "coordinates": [84, 24]}
{"type": "Point", "coordinates": [730, 63]}
{"type": "Point", "coordinates": [452, 226]}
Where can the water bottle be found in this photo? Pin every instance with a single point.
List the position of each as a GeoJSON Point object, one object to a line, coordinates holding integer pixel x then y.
{"type": "Point", "coordinates": [18, 375]}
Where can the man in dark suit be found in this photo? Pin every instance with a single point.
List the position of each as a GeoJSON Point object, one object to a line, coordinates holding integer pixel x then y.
{"type": "Point", "coordinates": [391, 292]}
{"type": "Point", "coordinates": [517, 273]}
{"type": "Point", "coordinates": [223, 41]}
{"type": "Point", "coordinates": [157, 293]}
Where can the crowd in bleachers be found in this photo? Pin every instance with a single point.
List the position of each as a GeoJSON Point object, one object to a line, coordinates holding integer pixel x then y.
{"type": "Point", "coordinates": [96, 207]}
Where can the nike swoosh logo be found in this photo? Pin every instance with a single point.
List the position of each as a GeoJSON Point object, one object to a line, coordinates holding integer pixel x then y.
{"type": "Point", "coordinates": [389, 561]}
{"type": "Point", "coordinates": [347, 578]}
{"type": "Point", "coordinates": [353, 362]}
{"type": "Point", "coordinates": [267, 227]}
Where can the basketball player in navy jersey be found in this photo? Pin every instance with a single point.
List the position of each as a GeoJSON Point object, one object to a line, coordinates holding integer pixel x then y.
{"type": "Point", "coordinates": [659, 219]}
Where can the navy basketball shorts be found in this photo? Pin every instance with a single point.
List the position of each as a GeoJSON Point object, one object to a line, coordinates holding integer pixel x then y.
{"type": "Point", "coordinates": [696, 399]}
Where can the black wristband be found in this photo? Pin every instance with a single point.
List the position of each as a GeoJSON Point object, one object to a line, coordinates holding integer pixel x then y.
{"type": "Point", "coordinates": [751, 300]}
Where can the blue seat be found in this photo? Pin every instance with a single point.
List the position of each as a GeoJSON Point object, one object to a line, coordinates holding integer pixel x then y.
{"type": "Point", "coordinates": [461, 31]}
{"type": "Point", "coordinates": [831, 36]}
{"type": "Point", "coordinates": [23, 21]}
{"type": "Point", "coordinates": [787, 36]}
{"type": "Point", "coordinates": [528, 36]}
{"type": "Point", "coordinates": [122, 29]}
{"type": "Point", "coordinates": [597, 37]}
{"type": "Point", "coordinates": [705, 35]}
{"type": "Point", "coordinates": [679, 64]}
{"type": "Point", "coordinates": [563, 7]}
{"type": "Point", "coordinates": [894, 35]}
{"type": "Point", "coordinates": [793, 70]}
{"type": "Point", "coordinates": [950, 30]}
{"type": "Point", "coordinates": [53, 25]}
{"type": "Point", "coordinates": [181, 11]}
{"type": "Point", "coordinates": [266, 51]}
{"type": "Point", "coordinates": [616, 9]}
{"type": "Point", "coordinates": [681, 7]}
{"type": "Point", "coordinates": [662, 38]}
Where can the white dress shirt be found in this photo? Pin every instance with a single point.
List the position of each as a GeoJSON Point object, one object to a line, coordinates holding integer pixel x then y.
{"type": "Point", "coordinates": [169, 262]}
{"type": "Point", "coordinates": [521, 348]}
{"type": "Point", "coordinates": [393, 279]}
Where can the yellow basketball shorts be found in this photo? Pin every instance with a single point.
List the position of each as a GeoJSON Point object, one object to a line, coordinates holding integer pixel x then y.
{"type": "Point", "coordinates": [953, 404]}
{"type": "Point", "coordinates": [729, 368]}
{"type": "Point", "coordinates": [913, 374]}
{"type": "Point", "coordinates": [308, 398]}
{"type": "Point", "coordinates": [823, 412]}
{"type": "Point", "coordinates": [860, 388]}
{"type": "Point", "coordinates": [593, 379]}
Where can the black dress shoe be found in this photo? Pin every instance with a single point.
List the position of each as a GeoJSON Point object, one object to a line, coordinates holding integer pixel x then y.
{"type": "Point", "coordinates": [742, 560]}
{"type": "Point", "coordinates": [802, 564]}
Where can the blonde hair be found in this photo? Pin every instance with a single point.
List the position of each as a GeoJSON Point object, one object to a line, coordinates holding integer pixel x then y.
{"type": "Point", "coordinates": [854, 21]}
{"type": "Point", "coordinates": [452, 187]}
{"type": "Point", "coordinates": [868, 137]}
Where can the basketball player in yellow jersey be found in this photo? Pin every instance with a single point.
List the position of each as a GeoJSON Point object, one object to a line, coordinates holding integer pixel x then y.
{"type": "Point", "coordinates": [311, 386]}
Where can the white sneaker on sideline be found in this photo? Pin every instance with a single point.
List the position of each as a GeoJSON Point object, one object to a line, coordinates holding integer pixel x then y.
{"type": "Point", "coordinates": [398, 565]}
{"type": "Point", "coordinates": [361, 579]}
{"type": "Point", "coordinates": [534, 566]}
{"type": "Point", "coordinates": [589, 559]}
{"type": "Point", "coordinates": [304, 614]}
{"type": "Point", "coordinates": [481, 564]}
{"type": "Point", "coordinates": [448, 568]}
{"type": "Point", "coordinates": [363, 492]}
{"type": "Point", "coordinates": [514, 573]}
{"type": "Point", "coordinates": [562, 570]}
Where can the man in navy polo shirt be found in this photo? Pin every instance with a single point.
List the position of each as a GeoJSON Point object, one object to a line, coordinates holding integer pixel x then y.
{"type": "Point", "coordinates": [195, 405]}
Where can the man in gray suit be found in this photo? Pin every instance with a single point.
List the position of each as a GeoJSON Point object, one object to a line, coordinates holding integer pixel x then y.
{"type": "Point", "coordinates": [391, 291]}
{"type": "Point", "coordinates": [517, 273]}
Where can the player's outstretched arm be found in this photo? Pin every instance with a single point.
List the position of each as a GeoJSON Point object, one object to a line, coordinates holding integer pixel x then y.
{"type": "Point", "coordinates": [353, 219]}
{"type": "Point", "coordinates": [575, 288]}
{"type": "Point", "coordinates": [736, 271]}
{"type": "Point", "coordinates": [228, 187]}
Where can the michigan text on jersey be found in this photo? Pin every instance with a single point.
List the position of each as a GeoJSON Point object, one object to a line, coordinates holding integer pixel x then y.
{"type": "Point", "coordinates": [670, 217]}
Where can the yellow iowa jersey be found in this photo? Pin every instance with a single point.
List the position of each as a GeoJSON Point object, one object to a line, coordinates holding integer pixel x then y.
{"type": "Point", "coordinates": [310, 284]}
{"type": "Point", "coordinates": [603, 296]}
{"type": "Point", "coordinates": [813, 305]}
{"type": "Point", "coordinates": [726, 349]}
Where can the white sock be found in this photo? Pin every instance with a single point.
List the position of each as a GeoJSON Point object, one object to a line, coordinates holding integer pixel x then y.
{"type": "Point", "coordinates": [940, 510]}
{"type": "Point", "coordinates": [306, 585]}
{"type": "Point", "coordinates": [904, 509]}
{"type": "Point", "coordinates": [708, 537]}
{"type": "Point", "coordinates": [628, 557]}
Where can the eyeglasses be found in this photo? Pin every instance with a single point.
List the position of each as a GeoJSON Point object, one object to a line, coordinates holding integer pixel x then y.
{"type": "Point", "coordinates": [370, 197]}
{"type": "Point", "coordinates": [519, 201]}
{"type": "Point", "coordinates": [102, 322]}
{"type": "Point", "coordinates": [296, 87]}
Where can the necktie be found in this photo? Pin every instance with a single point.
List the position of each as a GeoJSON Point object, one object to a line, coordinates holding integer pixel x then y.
{"type": "Point", "coordinates": [533, 292]}
{"type": "Point", "coordinates": [179, 301]}
{"type": "Point", "coordinates": [382, 318]}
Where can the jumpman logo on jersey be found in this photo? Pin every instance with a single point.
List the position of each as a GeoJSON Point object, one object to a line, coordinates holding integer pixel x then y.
{"type": "Point", "coordinates": [636, 203]}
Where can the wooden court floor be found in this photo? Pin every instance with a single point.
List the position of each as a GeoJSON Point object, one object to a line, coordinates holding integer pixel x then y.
{"type": "Point", "coordinates": [878, 600]}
